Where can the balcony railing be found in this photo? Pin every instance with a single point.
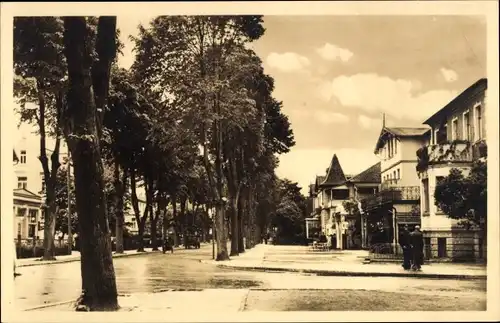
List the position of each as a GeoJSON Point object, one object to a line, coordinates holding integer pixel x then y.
{"type": "Point", "coordinates": [389, 184]}
{"type": "Point", "coordinates": [456, 151]}
{"type": "Point", "coordinates": [479, 150]}
{"type": "Point", "coordinates": [392, 195]}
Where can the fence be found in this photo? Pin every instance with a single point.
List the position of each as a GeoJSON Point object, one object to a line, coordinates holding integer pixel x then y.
{"type": "Point", "coordinates": [28, 248]}
{"type": "Point", "coordinates": [454, 252]}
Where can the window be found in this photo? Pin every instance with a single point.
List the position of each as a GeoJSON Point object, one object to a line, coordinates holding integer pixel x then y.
{"type": "Point", "coordinates": [442, 247]}
{"type": "Point", "coordinates": [425, 196]}
{"type": "Point", "coordinates": [454, 129]}
{"type": "Point", "coordinates": [399, 174]}
{"type": "Point", "coordinates": [466, 122]}
{"type": "Point", "coordinates": [479, 125]}
{"type": "Point", "coordinates": [22, 182]}
{"type": "Point", "coordinates": [395, 178]}
{"type": "Point", "coordinates": [33, 215]}
{"type": "Point", "coordinates": [21, 211]}
{"type": "Point", "coordinates": [31, 230]}
{"type": "Point", "coordinates": [395, 146]}
{"type": "Point", "coordinates": [427, 248]}
{"type": "Point", "coordinates": [23, 157]}
{"type": "Point", "coordinates": [438, 180]}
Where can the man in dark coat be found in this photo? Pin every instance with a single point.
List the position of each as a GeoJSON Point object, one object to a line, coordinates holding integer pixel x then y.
{"type": "Point", "coordinates": [405, 243]}
{"type": "Point", "coordinates": [417, 248]}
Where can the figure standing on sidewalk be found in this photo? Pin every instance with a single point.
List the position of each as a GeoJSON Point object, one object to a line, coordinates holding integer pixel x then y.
{"type": "Point", "coordinates": [405, 243]}
{"type": "Point", "coordinates": [417, 247]}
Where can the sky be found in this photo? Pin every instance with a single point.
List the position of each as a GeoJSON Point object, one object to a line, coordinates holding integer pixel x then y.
{"type": "Point", "coordinates": [337, 75]}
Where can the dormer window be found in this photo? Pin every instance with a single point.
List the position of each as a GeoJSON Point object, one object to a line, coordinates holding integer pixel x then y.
{"type": "Point", "coordinates": [23, 157]}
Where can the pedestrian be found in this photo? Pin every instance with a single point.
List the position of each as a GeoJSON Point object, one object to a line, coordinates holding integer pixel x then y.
{"type": "Point", "coordinates": [405, 243]}
{"type": "Point", "coordinates": [417, 248]}
{"type": "Point", "coordinates": [167, 245]}
{"type": "Point", "coordinates": [266, 238]}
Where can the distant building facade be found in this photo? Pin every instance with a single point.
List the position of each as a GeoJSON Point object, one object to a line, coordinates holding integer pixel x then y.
{"type": "Point", "coordinates": [343, 228]}
{"type": "Point", "coordinates": [29, 183]}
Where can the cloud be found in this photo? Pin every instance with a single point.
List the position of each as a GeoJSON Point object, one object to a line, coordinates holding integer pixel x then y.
{"type": "Point", "coordinates": [449, 75]}
{"type": "Point", "coordinates": [302, 165]}
{"type": "Point", "coordinates": [287, 62]}
{"type": "Point", "coordinates": [376, 94]}
{"type": "Point", "coordinates": [368, 123]}
{"type": "Point", "coordinates": [327, 117]}
{"type": "Point", "coordinates": [332, 52]}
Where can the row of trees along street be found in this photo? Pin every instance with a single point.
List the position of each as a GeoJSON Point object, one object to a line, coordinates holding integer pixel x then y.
{"type": "Point", "coordinates": [193, 119]}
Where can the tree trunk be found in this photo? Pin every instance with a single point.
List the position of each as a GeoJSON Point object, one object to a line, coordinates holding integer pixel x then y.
{"type": "Point", "coordinates": [99, 292]}
{"type": "Point", "coordinates": [154, 221]}
{"type": "Point", "coordinates": [221, 237]}
{"type": "Point", "coordinates": [49, 227]}
{"type": "Point", "coordinates": [234, 226]}
{"type": "Point", "coordinates": [241, 246]}
{"type": "Point", "coordinates": [120, 186]}
{"type": "Point", "coordinates": [141, 221]}
{"type": "Point", "coordinates": [174, 215]}
{"type": "Point", "coordinates": [183, 220]}
{"type": "Point", "coordinates": [50, 179]}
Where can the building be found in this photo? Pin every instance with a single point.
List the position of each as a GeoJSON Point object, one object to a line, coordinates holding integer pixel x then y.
{"type": "Point", "coordinates": [397, 202]}
{"type": "Point", "coordinates": [362, 186]}
{"type": "Point", "coordinates": [343, 228]}
{"type": "Point", "coordinates": [27, 209]}
{"type": "Point", "coordinates": [29, 182]}
{"type": "Point", "coordinates": [458, 137]}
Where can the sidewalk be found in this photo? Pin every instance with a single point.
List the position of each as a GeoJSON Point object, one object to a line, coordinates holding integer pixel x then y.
{"type": "Point", "coordinates": [340, 263]}
{"type": "Point", "coordinates": [75, 256]}
{"type": "Point", "coordinates": [227, 301]}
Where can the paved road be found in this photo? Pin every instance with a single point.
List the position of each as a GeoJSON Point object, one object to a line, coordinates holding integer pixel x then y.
{"type": "Point", "coordinates": [268, 291]}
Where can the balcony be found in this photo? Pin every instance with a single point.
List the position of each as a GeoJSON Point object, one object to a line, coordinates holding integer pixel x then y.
{"type": "Point", "coordinates": [479, 150]}
{"type": "Point", "coordinates": [457, 151]}
{"type": "Point", "coordinates": [392, 195]}
{"type": "Point", "coordinates": [389, 184]}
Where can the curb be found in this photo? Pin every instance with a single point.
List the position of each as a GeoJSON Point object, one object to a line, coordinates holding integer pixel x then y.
{"type": "Point", "coordinates": [48, 305]}
{"type": "Point", "coordinates": [320, 272]}
{"type": "Point", "coordinates": [44, 263]}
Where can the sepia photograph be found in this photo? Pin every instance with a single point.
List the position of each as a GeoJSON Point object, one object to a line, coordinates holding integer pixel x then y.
{"type": "Point", "coordinates": [176, 162]}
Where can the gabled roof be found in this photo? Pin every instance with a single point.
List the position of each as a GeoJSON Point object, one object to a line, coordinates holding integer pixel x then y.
{"type": "Point", "coordinates": [407, 132]}
{"type": "Point", "coordinates": [400, 132]}
{"type": "Point", "coordinates": [370, 175]}
{"type": "Point", "coordinates": [319, 180]}
{"type": "Point", "coordinates": [335, 175]}
{"type": "Point", "coordinates": [476, 88]}
{"type": "Point", "coordinates": [312, 188]}
{"type": "Point", "coordinates": [24, 193]}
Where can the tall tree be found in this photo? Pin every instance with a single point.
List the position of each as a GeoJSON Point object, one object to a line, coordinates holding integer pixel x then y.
{"type": "Point", "coordinates": [464, 198]}
{"type": "Point", "coordinates": [190, 53]}
{"type": "Point", "coordinates": [39, 68]}
{"type": "Point", "coordinates": [82, 130]}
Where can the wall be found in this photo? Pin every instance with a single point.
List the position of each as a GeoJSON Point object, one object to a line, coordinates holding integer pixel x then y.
{"type": "Point", "coordinates": [479, 99]}
{"type": "Point", "coordinates": [436, 220]}
{"type": "Point", "coordinates": [385, 160]}
{"type": "Point", "coordinates": [26, 139]}
{"type": "Point", "coordinates": [405, 160]}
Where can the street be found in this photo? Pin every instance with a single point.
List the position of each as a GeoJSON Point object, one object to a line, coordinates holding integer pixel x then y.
{"type": "Point", "coordinates": [157, 272]}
